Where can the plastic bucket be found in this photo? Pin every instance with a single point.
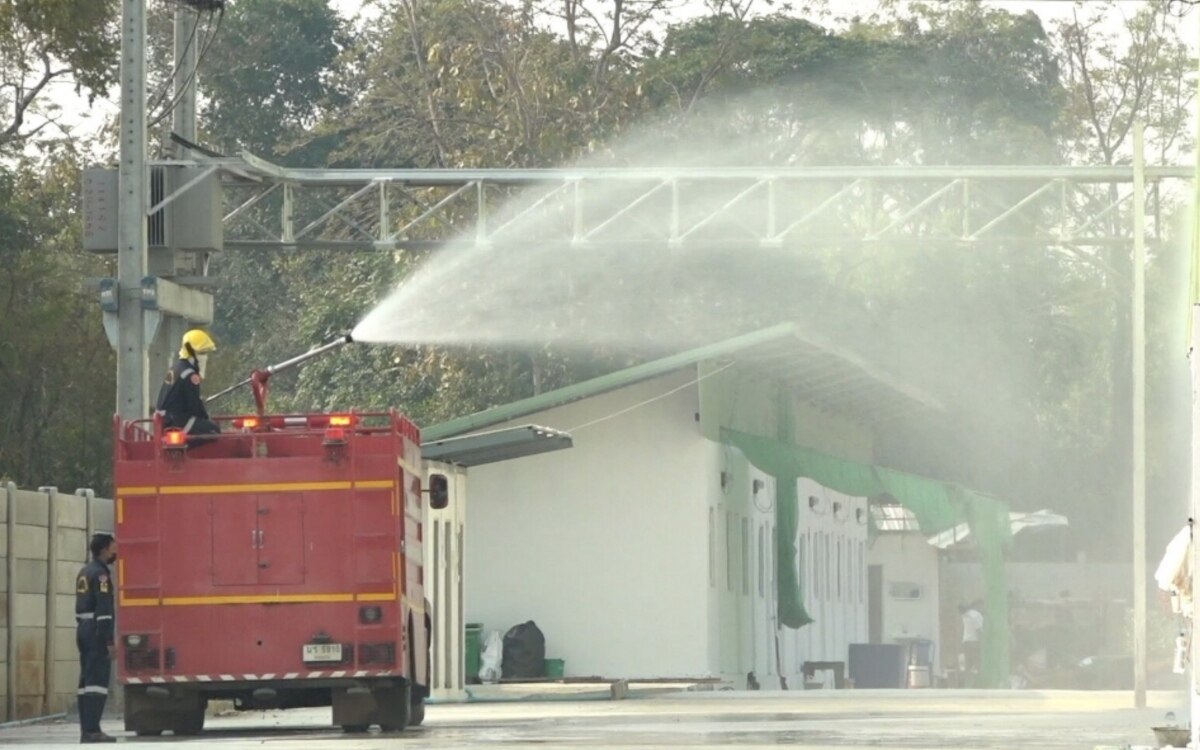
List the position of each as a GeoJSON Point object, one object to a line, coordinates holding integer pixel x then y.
{"type": "Point", "coordinates": [473, 643]}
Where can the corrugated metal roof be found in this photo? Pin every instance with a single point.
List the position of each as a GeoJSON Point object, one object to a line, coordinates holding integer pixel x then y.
{"type": "Point", "coordinates": [1018, 522]}
{"type": "Point", "coordinates": [890, 517]}
{"type": "Point", "coordinates": [817, 370]}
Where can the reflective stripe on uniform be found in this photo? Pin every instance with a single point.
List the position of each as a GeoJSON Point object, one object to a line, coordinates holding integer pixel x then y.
{"type": "Point", "coordinates": [85, 615]}
{"type": "Point", "coordinates": [187, 374]}
{"type": "Point", "coordinates": [104, 617]}
{"type": "Point", "coordinates": [188, 427]}
{"type": "Point", "coordinates": [94, 690]}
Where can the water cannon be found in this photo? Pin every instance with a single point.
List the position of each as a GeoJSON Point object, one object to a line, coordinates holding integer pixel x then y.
{"type": "Point", "coordinates": [260, 380]}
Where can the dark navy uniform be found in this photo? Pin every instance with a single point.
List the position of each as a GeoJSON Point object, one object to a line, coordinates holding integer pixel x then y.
{"type": "Point", "coordinates": [94, 636]}
{"type": "Point", "coordinates": [180, 403]}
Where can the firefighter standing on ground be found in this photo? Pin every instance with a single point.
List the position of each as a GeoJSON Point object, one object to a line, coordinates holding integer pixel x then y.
{"type": "Point", "coordinates": [972, 641]}
{"type": "Point", "coordinates": [94, 636]}
{"type": "Point", "coordinates": [179, 400]}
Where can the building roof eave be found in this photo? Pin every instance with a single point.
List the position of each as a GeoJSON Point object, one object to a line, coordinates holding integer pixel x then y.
{"type": "Point", "coordinates": [787, 352]}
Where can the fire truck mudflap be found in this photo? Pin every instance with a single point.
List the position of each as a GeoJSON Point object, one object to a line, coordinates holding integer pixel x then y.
{"type": "Point", "coordinates": [277, 565]}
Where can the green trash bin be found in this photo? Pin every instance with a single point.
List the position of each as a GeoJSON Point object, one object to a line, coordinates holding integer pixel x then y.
{"type": "Point", "coordinates": [473, 643]}
{"type": "Point", "coordinates": [555, 668]}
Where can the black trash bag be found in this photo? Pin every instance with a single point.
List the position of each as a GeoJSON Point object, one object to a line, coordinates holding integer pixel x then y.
{"type": "Point", "coordinates": [524, 652]}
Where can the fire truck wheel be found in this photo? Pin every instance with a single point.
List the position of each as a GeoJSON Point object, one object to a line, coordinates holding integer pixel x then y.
{"type": "Point", "coordinates": [394, 708]}
{"type": "Point", "coordinates": [416, 693]}
{"type": "Point", "coordinates": [416, 713]}
{"type": "Point", "coordinates": [190, 724]}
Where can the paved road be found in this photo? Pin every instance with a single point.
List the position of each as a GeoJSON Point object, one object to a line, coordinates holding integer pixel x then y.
{"type": "Point", "coordinates": [817, 719]}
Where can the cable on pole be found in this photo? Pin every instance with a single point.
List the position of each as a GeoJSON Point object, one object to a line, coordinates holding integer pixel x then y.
{"type": "Point", "coordinates": [218, 9]}
{"type": "Point", "coordinates": [163, 90]}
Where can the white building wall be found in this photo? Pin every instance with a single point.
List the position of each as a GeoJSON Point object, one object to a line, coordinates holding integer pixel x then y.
{"type": "Point", "coordinates": [910, 566]}
{"type": "Point", "coordinates": [831, 561]}
{"type": "Point", "coordinates": [831, 550]}
{"type": "Point", "coordinates": [763, 595]}
{"type": "Point", "coordinates": [442, 548]}
{"type": "Point", "coordinates": [716, 565]}
{"type": "Point", "coordinates": [743, 584]}
{"type": "Point", "coordinates": [603, 545]}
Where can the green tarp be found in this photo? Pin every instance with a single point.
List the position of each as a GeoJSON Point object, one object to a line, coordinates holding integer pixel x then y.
{"type": "Point", "coordinates": [938, 506]}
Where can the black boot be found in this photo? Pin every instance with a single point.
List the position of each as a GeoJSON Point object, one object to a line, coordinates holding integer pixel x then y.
{"type": "Point", "coordinates": [89, 720]}
{"type": "Point", "coordinates": [96, 738]}
{"type": "Point", "coordinates": [91, 708]}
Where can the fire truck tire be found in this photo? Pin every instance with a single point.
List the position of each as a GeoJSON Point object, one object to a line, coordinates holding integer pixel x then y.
{"type": "Point", "coordinates": [416, 692]}
{"type": "Point", "coordinates": [394, 708]}
{"type": "Point", "coordinates": [416, 713]}
{"type": "Point", "coordinates": [150, 716]}
{"type": "Point", "coordinates": [189, 724]}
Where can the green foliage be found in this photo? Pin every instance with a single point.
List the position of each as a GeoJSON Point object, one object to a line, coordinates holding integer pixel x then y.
{"type": "Point", "coordinates": [44, 42]}
{"type": "Point", "coordinates": [1146, 73]}
{"type": "Point", "coordinates": [962, 84]}
{"type": "Point", "coordinates": [472, 83]}
{"type": "Point", "coordinates": [271, 73]}
{"type": "Point", "coordinates": [1028, 348]}
{"type": "Point", "coordinates": [56, 368]}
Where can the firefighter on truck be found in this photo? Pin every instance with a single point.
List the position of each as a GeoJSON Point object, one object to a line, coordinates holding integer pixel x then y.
{"type": "Point", "coordinates": [179, 401]}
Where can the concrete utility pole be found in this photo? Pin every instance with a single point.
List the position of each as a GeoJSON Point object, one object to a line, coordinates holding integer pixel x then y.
{"type": "Point", "coordinates": [183, 123]}
{"type": "Point", "coordinates": [186, 44]}
{"type": "Point", "coordinates": [1138, 321]}
{"type": "Point", "coordinates": [152, 310]}
{"type": "Point", "coordinates": [132, 385]}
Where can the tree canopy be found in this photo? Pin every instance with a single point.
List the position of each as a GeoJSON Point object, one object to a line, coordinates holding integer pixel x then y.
{"type": "Point", "coordinates": [1029, 348]}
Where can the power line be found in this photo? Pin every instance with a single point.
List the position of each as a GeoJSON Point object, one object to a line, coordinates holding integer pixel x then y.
{"type": "Point", "coordinates": [166, 87]}
{"type": "Point", "coordinates": [652, 399]}
{"type": "Point", "coordinates": [216, 27]}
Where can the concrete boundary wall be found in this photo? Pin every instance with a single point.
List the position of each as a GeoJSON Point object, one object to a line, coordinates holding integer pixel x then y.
{"type": "Point", "coordinates": [43, 544]}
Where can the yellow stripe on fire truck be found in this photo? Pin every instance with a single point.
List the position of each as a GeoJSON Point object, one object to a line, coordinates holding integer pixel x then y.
{"type": "Point", "coordinates": [233, 489]}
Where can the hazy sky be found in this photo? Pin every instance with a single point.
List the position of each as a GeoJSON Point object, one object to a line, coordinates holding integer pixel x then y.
{"type": "Point", "coordinates": [1047, 9]}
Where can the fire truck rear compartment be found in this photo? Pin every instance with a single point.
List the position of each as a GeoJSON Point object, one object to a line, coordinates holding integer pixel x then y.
{"type": "Point", "coordinates": [277, 570]}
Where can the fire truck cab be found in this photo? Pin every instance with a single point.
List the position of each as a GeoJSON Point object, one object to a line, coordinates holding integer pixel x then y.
{"type": "Point", "coordinates": [276, 565]}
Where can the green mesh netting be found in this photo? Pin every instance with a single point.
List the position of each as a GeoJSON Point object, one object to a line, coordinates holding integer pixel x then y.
{"type": "Point", "coordinates": [938, 506]}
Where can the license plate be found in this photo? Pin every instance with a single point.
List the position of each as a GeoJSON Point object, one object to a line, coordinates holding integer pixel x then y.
{"type": "Point", "coordinates": [323, 652]}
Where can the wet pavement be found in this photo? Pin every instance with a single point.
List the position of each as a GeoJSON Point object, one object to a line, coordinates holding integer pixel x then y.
{"type": "Point", "coordinates": [816, 719]}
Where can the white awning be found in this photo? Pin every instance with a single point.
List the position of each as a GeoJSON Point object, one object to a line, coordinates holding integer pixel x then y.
{"type": "Point", "coordinates": [497, 445]}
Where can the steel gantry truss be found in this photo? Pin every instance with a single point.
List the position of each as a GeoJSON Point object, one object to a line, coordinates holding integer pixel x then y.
{"type": "Point", "coordinates": [394, 209]}
{"type": "Point", "coordinates": [1096, 213]}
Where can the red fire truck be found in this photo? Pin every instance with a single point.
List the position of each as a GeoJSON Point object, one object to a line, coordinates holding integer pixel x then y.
{"type": "Point", "coordinates": [276, 565]}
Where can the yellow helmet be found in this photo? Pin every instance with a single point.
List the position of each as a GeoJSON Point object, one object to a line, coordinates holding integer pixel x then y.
{"type": "Point", "coordinates": [198, 342]}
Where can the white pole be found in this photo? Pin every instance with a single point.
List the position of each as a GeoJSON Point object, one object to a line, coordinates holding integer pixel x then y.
{"type": "Point", "coordinates": [1194, 506]}
{"type": "Point", "coordinates": [1194, 509]}
{"type": "Point", "coordinates": [1138, 321]}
